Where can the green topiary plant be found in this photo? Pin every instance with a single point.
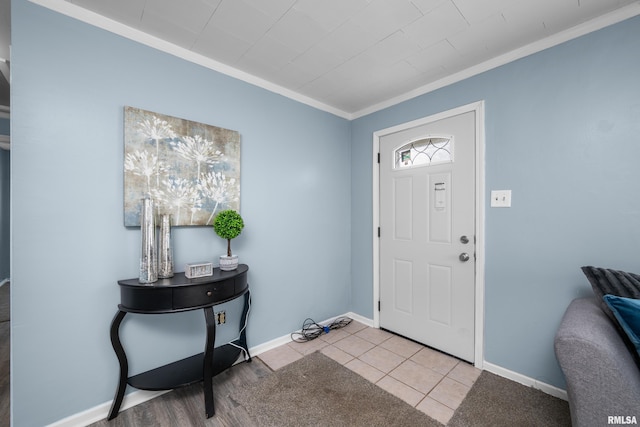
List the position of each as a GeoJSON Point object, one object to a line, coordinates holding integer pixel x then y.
{"type": "Point", "coordinates": [228, 224]}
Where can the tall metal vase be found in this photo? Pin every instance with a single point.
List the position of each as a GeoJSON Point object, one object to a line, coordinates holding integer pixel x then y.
{"type": "Point", "coordinates": [148, 258]}
{"type": "Point", "coordinates": [165, 250]}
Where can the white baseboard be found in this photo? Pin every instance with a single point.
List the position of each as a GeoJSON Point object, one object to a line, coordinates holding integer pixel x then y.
{"type": "Point", "coordinates": [495, 369]}
{"type": "Point", "coordinates": [277, 342]}
{"type": "Point", "coordinates": [524, 380]}
{"type": "Point", "coordinates": [269, 345]}
{"type": "Point", "coordinates": [137, 397]}
{"type": "Point", "coordinates": [361, 319]}
{"type": "Point", "coordinates": [100, 412]}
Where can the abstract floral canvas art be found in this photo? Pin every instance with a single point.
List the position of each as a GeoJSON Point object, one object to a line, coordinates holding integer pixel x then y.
{"type": "Point", "coordinates": [190, 170]}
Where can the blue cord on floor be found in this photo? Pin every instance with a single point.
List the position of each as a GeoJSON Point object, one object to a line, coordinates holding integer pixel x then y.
{"type": "Point", "coordinates": [312, 330]}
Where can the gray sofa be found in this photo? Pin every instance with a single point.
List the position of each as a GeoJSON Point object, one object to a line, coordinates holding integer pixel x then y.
{"type": "Point", "coordinates": [603, 379]}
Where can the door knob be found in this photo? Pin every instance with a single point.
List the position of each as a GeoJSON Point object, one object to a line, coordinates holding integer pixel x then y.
{"type": "Point", "coordinates": [464, 257]}
{"type": "Point", "coordinates": [464, 240]}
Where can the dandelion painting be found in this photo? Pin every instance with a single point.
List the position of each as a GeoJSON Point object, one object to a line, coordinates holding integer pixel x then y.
{"type": "Point", "coordinates": [189, 169]}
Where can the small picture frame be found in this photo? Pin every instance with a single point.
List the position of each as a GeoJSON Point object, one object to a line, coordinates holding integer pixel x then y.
{"type": "Point", "coordinates": [198, 269]}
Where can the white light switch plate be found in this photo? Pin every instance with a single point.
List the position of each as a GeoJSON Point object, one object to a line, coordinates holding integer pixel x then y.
{"type": "Point", "coordinates": [501, 198]}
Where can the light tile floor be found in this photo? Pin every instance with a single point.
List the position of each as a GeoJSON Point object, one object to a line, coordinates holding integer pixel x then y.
{"type": "Point", "coordinates": [430, 381]}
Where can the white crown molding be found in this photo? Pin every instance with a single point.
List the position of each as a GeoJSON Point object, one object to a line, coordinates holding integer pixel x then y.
{"type": "Point", "coordinates": [595, 24]}
{"type": "Point", "coordinates": [92, 18]}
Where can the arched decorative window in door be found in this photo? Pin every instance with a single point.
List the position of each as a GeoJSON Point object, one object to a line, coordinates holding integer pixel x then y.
{"type": "Point", "coordinates": [425, 152]}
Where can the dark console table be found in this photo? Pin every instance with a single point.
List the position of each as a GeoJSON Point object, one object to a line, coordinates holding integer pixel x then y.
{"type": "Point", "coordinates": [174, 295]}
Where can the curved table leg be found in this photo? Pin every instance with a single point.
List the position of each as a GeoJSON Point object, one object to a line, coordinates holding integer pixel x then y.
{"type": "Point", "coordinates": [124, 365]}
{"type": "Point", "coordinates": [207, 369]}
{"type": "Point", "coordinates": [243, 335]}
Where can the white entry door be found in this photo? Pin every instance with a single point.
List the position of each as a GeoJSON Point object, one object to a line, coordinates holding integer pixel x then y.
{"type": "Point", "coordinates": [427, 234]}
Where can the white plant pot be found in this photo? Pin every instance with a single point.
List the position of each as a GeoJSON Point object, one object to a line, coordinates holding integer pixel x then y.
{"type": "Point", "coordinates": [228, 263]}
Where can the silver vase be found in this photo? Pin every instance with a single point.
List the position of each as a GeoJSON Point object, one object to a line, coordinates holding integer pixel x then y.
{"type": "Point", "coordinates": [165, 250]}
{"type": "Point", "coordinates": [148, 258]}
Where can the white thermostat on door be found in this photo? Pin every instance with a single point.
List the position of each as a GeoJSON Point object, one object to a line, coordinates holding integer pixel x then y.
{"type": "Point", "coordinates": [501, 198]}
{"type": "Point", "coordinates": [439, 200]}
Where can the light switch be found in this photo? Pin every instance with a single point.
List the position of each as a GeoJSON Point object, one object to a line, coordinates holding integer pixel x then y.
{"type": "Point", "coordinates": [501, 198]}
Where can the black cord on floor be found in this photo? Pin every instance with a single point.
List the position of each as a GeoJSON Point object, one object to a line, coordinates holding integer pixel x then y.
{"type": "Point", "coordinates": [312, 330]}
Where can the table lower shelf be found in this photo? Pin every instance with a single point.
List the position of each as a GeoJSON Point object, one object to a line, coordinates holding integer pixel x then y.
{"type": "Point", "coordinates": [186, 371]}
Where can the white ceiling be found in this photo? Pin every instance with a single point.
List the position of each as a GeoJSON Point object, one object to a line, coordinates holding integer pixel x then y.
{"type": "Point", "coordinates": [350, 57]}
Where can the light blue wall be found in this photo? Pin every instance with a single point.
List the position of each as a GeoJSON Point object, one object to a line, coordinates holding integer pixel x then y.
{"type": "Point", "coordinates": [562, 132]}
{"type": "Point", "coordinates": [70, 82]}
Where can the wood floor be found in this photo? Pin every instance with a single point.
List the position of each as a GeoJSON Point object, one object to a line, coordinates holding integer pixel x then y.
{"type": "Point", "coordinates": [185, 406]}
{"type": "Point", "coordinates": [180, 407]}
{"type": "Point", "coordinates": [5, 342]}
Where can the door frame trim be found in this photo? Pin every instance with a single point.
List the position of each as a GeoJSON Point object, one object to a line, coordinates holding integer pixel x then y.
{"type": "Point", "coordinates": [478, 108]}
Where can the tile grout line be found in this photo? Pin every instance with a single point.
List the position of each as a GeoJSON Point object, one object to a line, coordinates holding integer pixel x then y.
{"type": "Point", "coordinates": [325, 344]}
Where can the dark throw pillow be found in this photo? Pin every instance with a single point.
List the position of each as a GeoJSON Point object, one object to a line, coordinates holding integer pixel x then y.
{"type": "Point", "coordinates": [606, 281]}
{"type": "Point", "coordinates": [627, 313]}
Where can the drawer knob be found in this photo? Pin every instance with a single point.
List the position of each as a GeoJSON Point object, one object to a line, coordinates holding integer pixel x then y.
{"type": "Point", "coordinates": [208, 293]}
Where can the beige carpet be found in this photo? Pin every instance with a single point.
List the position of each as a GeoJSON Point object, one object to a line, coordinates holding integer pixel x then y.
{"type": "Point", "coordinates": [317, 391]}
{"type": "Point", "coordinates": [494, 401]}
